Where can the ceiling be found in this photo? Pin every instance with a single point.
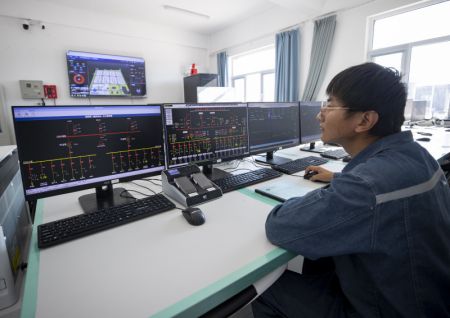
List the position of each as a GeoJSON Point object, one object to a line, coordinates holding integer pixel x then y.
{"type": "Point", "coordinates": [212, 15]}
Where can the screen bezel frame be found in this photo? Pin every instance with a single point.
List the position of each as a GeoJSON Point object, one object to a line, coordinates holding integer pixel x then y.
{"type": "Point", "coordinates": [107, 96]}
{"type": "Point", "coordinates": [300, 123]}
{"type": "Point", "coordinates": [93, 185]}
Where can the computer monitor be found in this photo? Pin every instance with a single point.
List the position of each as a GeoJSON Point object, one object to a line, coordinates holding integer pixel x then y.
{"type": "Point", "coordinates": [205, 134]}
{"type": "Point", "coordinates": [67, 148]}
{"type": "Point", "coordinates": [309, 125]}
{"type": "Point", "coordinates": [97, 75]}
{"type": "Point", "coordinates": [272, 126]}
{"type": "Point", "coordinates": [418, 110]}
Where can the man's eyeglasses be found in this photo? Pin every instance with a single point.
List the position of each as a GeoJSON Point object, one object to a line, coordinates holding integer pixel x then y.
{"type": "Point", "coordinates": [325, 108]}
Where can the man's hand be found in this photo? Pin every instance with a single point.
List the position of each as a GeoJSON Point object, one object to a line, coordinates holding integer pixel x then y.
{"type": "Point", "coordinates": [323, 174]}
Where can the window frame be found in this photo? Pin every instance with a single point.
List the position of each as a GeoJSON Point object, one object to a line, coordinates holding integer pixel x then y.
{"type": "Point", "coordinates": [404, 49]}
{"type": "Point", "coordinates": [243, 76]}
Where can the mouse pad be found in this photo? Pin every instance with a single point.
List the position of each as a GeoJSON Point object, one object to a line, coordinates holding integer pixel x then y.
{"type": "Point", "coordinates": [286, 189]}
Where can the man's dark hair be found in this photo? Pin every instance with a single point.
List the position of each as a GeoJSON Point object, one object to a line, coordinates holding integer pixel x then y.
{"type": "Point", "coordinates": [370, 86]}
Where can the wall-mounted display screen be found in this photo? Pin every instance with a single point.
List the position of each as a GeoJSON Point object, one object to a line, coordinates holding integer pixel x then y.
{"type": "Point", "coordinates": [92, 74]}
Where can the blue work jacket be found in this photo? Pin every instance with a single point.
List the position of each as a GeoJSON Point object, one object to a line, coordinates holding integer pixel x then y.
{"type": "Point", "coordinates": [385, 221]}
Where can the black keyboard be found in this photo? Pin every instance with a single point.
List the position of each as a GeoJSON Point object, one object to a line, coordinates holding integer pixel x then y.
{"type": "Point", "coordinates": [238, 181]}
{"type": "Point", "coordinates": [334, 153]}
{"type": "Point", "coordinates": [57, 232]}
{"type": "Point", "coordinates": [299, 164]}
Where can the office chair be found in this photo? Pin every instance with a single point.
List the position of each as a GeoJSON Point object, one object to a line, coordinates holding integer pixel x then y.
{"type": "Point", "coordinates": [246, 296]}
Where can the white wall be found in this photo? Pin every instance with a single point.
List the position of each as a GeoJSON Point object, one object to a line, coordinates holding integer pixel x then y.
{"type": "Point", "coordinates": [39, 54]}
{"type": "Point", "coordinates": [348, 46]}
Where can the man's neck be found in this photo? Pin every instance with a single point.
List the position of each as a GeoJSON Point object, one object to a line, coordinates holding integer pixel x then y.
{"type": "Point", "coordinates": [358, 144]}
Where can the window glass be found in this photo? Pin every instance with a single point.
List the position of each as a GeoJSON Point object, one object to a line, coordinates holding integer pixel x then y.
{"type": "Point", "coordinates": [253, 88]}
{"type": "Point", "coordinates": [390, 60]}
{"type": "Point", "coordinates": [429, 78]}
{"type": "Point", "coordinates": [269, 87]}
{"type": "Point", "coordinates": [254, 62]}
{"type": "Point", "coordinates": [253, 74]}
{"type": "Point", "coordinates": [412, 26]}
{"type": "Point", "coordinates": [239, 86]}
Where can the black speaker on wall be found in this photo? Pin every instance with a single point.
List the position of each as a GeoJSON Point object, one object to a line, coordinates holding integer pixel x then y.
{"type": "Point", "coordinates": [198, 80]}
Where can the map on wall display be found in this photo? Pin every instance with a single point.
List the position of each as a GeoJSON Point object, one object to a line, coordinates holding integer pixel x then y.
{"type": "Point", "coordinates": [108, 82]}
{"type": "Point", "coordinates": [93, 74]}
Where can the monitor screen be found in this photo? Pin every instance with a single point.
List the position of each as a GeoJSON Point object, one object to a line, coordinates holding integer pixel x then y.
{"type": "Point", "coordinates": [92, 74]}
{"type": "Point", "coordinates": [68, 148]}
{"type": "Point", "coordinates": [418, 110]}
{"type": "Point", "coordinates": [309, 125]}
{"type": "Point", "coordinates": [272, 126]}
{"type": "Point", "coordinates": [205, 132]}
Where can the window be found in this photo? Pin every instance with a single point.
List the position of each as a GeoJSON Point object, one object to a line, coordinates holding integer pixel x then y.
{"type": "Point", "coordinates": [253, 75]}
{"type": "Point", "coordinates": [416, 41]}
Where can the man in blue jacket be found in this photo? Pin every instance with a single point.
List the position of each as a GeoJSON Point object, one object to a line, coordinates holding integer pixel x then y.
{"type": "Point", "coordinates": [383, 223]}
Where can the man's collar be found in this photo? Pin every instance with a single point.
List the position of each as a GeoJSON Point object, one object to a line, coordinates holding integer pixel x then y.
{"type": "Point", "coordinates": [390, 141]}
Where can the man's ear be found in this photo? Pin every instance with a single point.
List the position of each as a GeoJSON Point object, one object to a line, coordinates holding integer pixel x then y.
{"type": "Point", "coordinates": [367, 121]}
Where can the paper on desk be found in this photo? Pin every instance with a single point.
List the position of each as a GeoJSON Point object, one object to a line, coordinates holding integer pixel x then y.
{"type": "Point", "coordinates": [287, 189]}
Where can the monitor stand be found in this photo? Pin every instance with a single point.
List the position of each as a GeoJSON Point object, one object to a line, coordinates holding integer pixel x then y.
{"type": "Point", "coordinates": [104, 197]}
{"type": "Point", "coordinates": [271, 160]}
{"type": "Point", "coordinates": [213, 173]}
{"type": "Point", "coordinates": [312, 148]}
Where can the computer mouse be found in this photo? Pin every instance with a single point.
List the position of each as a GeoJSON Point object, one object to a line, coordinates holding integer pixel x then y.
{"type": "Point", "coordinates": [423, 139]}
{"type": "Point", "coordinates": [347, 158]}
{"type": "Point", "coordinates": [194, 216]}
{"type": "Point", "coordinates": [309, 174]}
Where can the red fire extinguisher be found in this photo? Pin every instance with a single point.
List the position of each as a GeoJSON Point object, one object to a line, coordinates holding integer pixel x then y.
{"type": "Point", "coordinates": [193, 69]}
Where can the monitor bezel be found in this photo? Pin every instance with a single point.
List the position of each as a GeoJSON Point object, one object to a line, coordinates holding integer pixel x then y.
{"type": "Point", "coordinates": [278, 146]}
{"type": "Point", "coordinates": [113, 55]}
{"type": "Point", "coordinates": [311, 139]}
{"type": "Point", "coordinates": [205, 161]}
{"type": "Point", "coordinates": [113, 180]}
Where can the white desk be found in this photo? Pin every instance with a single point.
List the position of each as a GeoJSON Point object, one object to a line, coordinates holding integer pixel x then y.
{"type": "Point", "coordinates": [439, 144]}
{"type": "Point", "coordinates": [159, 266]}
{"type": "Point", "coordinates": [141, 268]}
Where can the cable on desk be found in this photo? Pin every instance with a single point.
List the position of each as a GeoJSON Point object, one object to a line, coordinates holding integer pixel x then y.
{"type": "Point", "coordinates": [232, 168]}
{"type": "Point", "coordinates": [140, 185]}
{"type": "Point", "coordinates": [240, 169]}
{"type": "Point", "coordinates": [257, 165]}
{"type": "Point", "coordinates": [130, 197]}
{"type": "Point", "coordinates": [151, 181]}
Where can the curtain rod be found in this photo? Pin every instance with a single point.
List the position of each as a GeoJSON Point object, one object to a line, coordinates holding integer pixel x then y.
{"type": "Point", "coordinates": [319, 17]}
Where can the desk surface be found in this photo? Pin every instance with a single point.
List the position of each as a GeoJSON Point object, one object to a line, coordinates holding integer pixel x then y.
{"type": "Point", "coordinates": [159, 266]}
{"type": "Point", "coordinates": [439, 144]}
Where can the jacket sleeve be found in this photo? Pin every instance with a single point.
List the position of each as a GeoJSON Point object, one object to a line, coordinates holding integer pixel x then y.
{"type": "Point", "coordinates": [334, 221]}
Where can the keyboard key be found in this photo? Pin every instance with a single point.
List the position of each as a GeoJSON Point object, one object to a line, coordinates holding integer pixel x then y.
{"type": "Point", "coordinates": [299, 164]}
{"type": "Point", "coordinates": [334, 154]}
{"type": "Point", "coordinates": [57, 232]}
{"type": "Point", "coordinates": [238, 181]}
